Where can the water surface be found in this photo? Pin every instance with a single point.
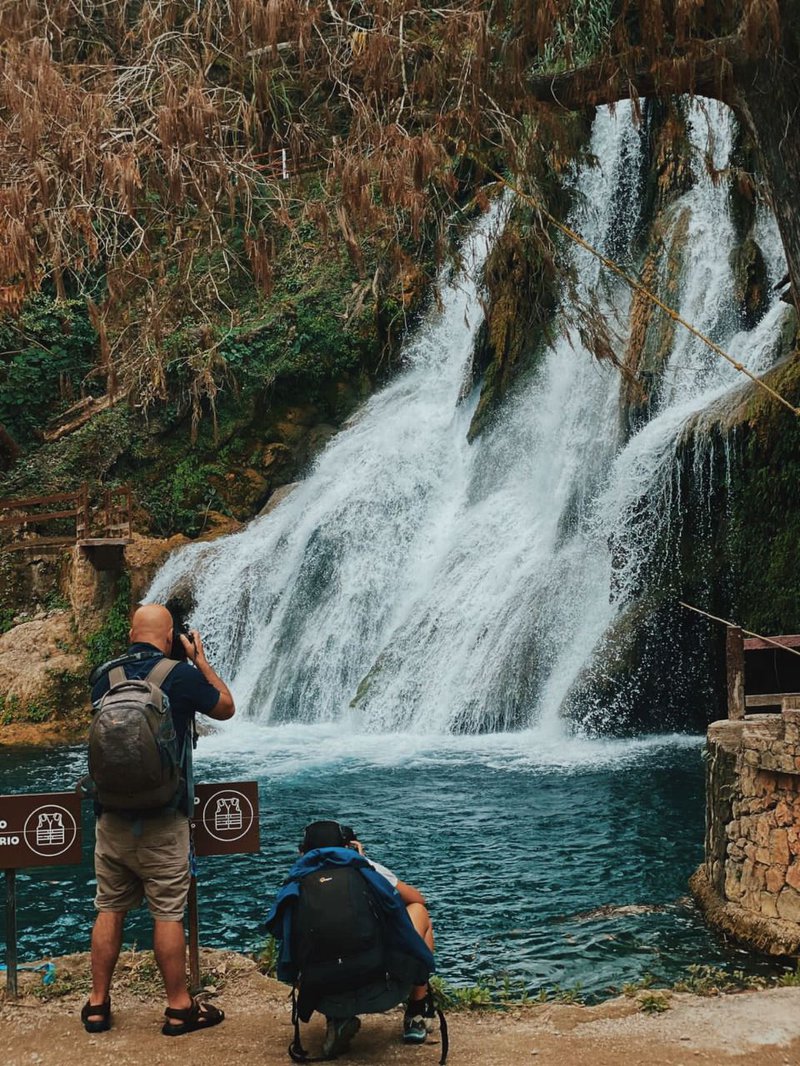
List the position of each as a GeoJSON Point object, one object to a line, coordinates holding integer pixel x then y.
{"type": "Point", "coordinates": [514, 842]}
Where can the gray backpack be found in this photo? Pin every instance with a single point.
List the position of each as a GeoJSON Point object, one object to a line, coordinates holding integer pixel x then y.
{"type": "Point", "coordinates": [134, 759]}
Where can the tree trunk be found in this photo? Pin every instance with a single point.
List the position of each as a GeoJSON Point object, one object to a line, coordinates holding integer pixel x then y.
{"type": "Point", "coordinates": [9, 449]}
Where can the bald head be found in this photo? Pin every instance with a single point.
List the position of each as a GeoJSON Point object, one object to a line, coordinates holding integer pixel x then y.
{"type": "Point", "coordinates": [152, 624]}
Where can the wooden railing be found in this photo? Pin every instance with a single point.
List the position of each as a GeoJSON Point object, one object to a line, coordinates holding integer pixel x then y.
{"type": "Point", "coordinates": [118, 505]}
{"type": "Point", "coordinates": [34, 518]}
{"type": "Point", "coordinates": [762, 664]}
{"type": "Point", "coordinates": [29, 514]}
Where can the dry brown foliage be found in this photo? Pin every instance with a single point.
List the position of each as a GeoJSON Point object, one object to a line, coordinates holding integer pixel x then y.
{"type": "Point", "coordinates": [138, 140]}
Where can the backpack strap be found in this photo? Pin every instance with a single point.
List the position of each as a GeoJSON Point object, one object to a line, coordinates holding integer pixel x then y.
{"type": "Point", "coordinates": [161, 671]}
{"type": "Point", "coordinates": [157, 676]}
{"type": "Point", "coordinates": [122, 660]}
{"type": "Point", "coordinates": [445, 1036]}
{"type": "Point", "coordinates": [116, 676]}
{"type": "Point", "coordinates": [297, 1053]}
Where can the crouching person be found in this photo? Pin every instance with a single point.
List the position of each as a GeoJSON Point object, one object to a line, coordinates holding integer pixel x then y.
{"type": "Point", "coordinates": [354, 940]}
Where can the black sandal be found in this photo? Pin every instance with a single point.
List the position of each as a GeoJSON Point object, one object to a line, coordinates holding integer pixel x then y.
{"type": "Point", "coordinates": [100, 1012]}
{"type": "Point", "coordinates": [201, 1015]}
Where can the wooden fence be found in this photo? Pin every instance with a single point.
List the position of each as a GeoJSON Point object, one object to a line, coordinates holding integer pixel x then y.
{"type": "Point", "coordinates": [761, 672]}
{"type": "Point", "coordinates": [34, 519]}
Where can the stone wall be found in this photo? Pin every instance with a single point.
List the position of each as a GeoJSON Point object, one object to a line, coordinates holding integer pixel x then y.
{"type": "Point", "coordinates": [749, 884]}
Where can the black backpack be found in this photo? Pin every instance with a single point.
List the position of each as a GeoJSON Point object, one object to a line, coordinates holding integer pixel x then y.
{"type": "Point", "coordinates": [345, 963]}
{"type": "Point", "coordinates": [134, 759]}
{"type": "Point", "coordinates": [339, 940]}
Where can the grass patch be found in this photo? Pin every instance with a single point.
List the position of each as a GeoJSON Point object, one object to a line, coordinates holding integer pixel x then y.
{"type": "Point", "coordinates": [632, 988]}
{"type": "Point", "coordinates": [461, 997]}
{"type": "Point", "coordinates": [500, 993]}
{"type": "Point", "coordinates": [65, 984]}
{"type": "Point", "coordinates": [267, 958]}
{"type": "Point", "coordinates": [712, 981]}
{"type": "Point", "coordinates": [138, 971]}
{"type": "Point", "coordinates": [654, 1002]}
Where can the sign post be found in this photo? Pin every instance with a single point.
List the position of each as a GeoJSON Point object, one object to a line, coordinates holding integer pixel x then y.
{"type": "Point", "coordinates": [225, 823]}
{"type": "Point", "coordinates": [11, 933]}
{"type": "Point", "coordinates": [38, 829]}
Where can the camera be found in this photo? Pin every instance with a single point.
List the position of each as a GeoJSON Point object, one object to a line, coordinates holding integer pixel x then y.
{"type": "Point", "coordinates": [179, 626]}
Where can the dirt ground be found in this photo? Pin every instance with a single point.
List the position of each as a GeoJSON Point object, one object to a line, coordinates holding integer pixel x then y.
{"type": "Point", "coordinates": [746, 1029]}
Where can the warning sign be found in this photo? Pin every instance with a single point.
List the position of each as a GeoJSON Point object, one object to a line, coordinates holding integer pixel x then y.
{"type": "Point", "coordinates": [226, 818]}
{"type": "Point", "coordinates": [40, 829]}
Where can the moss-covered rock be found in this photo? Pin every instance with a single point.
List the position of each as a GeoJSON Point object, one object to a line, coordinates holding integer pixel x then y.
{"type": "Point", "coordinates": [523, 285]}
{"type": "Point", "coordinates": [650, 673]}
{"type": "Point", "coordinates": [750, 281]}
{"type": "Point", "coordinates": [728, 545]}
{"type": "Point", "coordinates": [652, 331]}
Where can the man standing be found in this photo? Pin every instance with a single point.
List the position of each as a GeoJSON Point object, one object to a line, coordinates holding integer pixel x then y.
{"type": "Point", "coordinates": [146, 854]}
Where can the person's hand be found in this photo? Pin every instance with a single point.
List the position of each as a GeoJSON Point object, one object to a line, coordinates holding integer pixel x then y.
{"type": "Point", "coordinates": [193, 646]}
{"type": "Point", "coordinates": [358, 846]}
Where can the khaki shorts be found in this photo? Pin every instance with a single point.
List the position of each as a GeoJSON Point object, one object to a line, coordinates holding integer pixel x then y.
{"type": "Point", "coordinates": [147, 859]}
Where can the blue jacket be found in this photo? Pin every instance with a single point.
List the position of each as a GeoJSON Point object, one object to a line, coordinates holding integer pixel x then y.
{"type": "Point", "coordinates": [402, 934]}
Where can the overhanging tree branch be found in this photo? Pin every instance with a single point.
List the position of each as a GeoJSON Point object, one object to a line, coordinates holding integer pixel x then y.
{"type": "Point", "coordinates": [708, 69]}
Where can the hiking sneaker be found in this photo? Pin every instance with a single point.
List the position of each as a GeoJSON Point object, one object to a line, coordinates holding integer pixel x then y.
{"type": "Point", "coordinates": [415, 1031]}
{"type": "Point", "coordinates": [338, 1035]}
{"type": "Point", "coordinates": [418, 1020]}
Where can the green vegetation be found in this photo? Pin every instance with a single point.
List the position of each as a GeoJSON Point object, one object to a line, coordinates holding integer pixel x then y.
{"type": "Point", "coordinates": [712, 981]}
{"type": "Point", "coordinates": [112, 637]}
{"type": "Point", "coordinates": [47, 355]}
{"type": "Point", "coordinates": [499, 993]}
{"type": "Point", "coordinates": [267, 958]}
{"type": "Point", "coordinates": [462, 997]}
{"type": "Point", "coordinates": [631, 988]}
{"type": "Point", "coordinates": [180, 501]}
{"type": "Point", "coordinates": [654, 1002]}
{"type": "Point", "coordinates": [12, 710]}
{"type": "Point", "coordinates": [7, 616]}
{"type": "Point", "coordinates": [318, 341]}
{"type": "Point", "coordinates": [65, 984]}
{"type": "Point", "coordinates": [9, 709]}
{"type": "Point", "coordinates": [60, 697]}
{"type": "Point", "coordinates": [579, 34]}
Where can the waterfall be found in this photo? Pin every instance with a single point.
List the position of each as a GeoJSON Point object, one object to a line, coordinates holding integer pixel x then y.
{"type": "Point", "coordinates": [416, 580]}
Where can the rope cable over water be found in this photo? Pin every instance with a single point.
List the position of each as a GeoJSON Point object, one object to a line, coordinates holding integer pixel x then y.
{"type": "Point", "coordinates": [733, 625]}
{"type": "Point", "coordinates": [637, 286]}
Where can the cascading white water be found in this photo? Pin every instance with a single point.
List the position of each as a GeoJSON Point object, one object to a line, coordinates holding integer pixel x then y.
{"type": "Point", "coordinates": [416, 580]}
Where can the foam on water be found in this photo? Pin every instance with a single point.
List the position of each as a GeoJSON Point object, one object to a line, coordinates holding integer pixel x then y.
{"type": "Point", "coordinates": [292, 749]}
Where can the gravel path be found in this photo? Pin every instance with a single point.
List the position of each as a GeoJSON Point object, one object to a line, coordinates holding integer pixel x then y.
{"type": "Point", "coordinates": [747, 1029]}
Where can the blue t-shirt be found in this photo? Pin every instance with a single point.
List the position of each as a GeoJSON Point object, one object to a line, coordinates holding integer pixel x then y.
{"type": "Point", "coordinates": [186, 688]}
